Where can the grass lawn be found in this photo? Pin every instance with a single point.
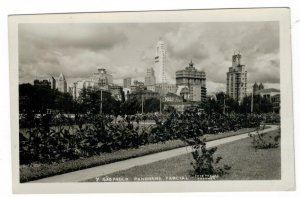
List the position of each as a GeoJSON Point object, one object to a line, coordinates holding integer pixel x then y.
{"type": "Point", "coordinates": [38, 171]}
{"type": "Point", "coordinates": [246, 164]}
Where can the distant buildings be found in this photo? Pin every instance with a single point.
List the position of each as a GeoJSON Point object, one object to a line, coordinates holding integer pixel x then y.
{"type": "Point", "coordinates": [42, 83]}
{"type": "Point", "coordinates": [256, 88]}
{"type": "Point", "coordinates": [62, 83]}
{"type": "Point", "coordinates": [52, 82]}
{"type": "Point", "coordinates": [171, 97]}
{"type": "Point", "coordinates": [145, 94]}
{"type": "Point", "coordinates": [102, 78]}
{"type": "Point", "coordinates": [237, 79]}
{"type": "Point", "coordinates": [275, 100]}
{"type": "Point", "coordinates": [137, 86]}
{"type": "Point", "coordinates": [268, 93]}
{"type": "Point", "coordinates": [127, 82]}
{"type": "Point", "coordinates": [160, 62]}
{"type": "Point", "coordinates": [191, 83]}
{"type": "Point", "coordinates": [164, 88]}
{"type": "Point", "coordinates": [150, 77]}
{"type": "Point", "coordinates": [117, 92]}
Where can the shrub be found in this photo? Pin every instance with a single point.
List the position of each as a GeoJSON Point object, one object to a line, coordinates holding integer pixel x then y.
{"type": "Point", "coordinates": [264, 141]}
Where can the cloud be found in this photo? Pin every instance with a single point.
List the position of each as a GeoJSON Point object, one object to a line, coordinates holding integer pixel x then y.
{"type": "Point", "coordinates": [127, 50]}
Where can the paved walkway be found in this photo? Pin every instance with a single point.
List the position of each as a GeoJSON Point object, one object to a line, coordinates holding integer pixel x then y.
{"type": "Point", "coordinates": [82, 175]}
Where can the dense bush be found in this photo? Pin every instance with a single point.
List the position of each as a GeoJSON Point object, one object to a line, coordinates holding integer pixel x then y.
{"type": "Point", "coordinates": [88, 135]}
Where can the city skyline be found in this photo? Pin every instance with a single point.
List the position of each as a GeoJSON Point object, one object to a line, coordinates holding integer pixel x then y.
{"type": "Point", "coordinates": [78, 50]}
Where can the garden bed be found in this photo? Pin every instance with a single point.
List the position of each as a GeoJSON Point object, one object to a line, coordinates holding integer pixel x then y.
{"type": "Point", "coordinates": [38, 171]}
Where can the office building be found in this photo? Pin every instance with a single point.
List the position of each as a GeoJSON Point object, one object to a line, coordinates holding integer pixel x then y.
{"type": "Point", "coordinates": [150, 77]}
{"type": "Point", "coordinates": [62, 83]}
{"type": "Point", "coordinates": [237, 79]}
{"type": "Point", "coordinates": [160, 62]}
{"type": "Point", "coordinates": [127, 82]}
{"type": "Point", "coordinates": [191, 83]}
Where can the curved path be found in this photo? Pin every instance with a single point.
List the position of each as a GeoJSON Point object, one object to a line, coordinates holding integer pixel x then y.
{"type": "Point", "coordinates": [82, 175]}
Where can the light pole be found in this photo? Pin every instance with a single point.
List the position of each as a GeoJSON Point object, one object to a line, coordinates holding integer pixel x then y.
{"type": "Point", "coordinates": [252, 103]}
{"type": "Point", "coordinates": [101, 102]}
{"type": "Point", "coordinates": [142, 103]}
{"type": "Point", "coordinates": [224, 105]}
{"type": "Point", "coordinates": [160, 105]}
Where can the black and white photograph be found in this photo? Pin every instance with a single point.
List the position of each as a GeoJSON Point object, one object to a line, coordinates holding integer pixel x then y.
{"type": "Point", "coordinates": [168, 100]}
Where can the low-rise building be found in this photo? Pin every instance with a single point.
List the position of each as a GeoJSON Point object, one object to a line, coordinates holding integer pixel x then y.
{"type": "Point", "coordinates": [145, 94]}
{"type": "Point", "coordinates": [117, 92]}
{"type": "Point", "coordinates": [275, 100]}
{"type": "Point", "coordinates": [137, 86]}
{"type": "Point", "coordinates": [171, 97]}
{"type": "Point", "coordinates": [268, 93]}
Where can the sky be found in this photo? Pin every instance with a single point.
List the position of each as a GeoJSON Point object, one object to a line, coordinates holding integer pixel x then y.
{"type": "Point", "coordinates": [128, 49]}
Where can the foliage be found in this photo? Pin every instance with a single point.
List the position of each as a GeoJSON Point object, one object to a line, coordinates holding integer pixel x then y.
{"type": "Point", "coordinates": [89, 101]}
{"type": "Point", "coordinates": [37, 99]}
{"type": "Point", "coordinates": [264, 141]}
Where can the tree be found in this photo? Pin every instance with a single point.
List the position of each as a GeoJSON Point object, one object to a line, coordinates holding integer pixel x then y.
{"type": "Point", "coordinates": [260, 104]}
{"type": "Point", "coordinates": [89, 101]}
{"type": "Point", "coordinates": [152, 105]}
{"type": "Point", "coordinates": [131, 106]}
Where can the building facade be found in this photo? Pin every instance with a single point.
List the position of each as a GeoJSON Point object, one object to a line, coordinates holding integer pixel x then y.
{"type": "Point", "coordinates": [190, 76]}
{"type": "Point", "coordinates": [164, 88]}
{"type": "Point", "coordinates": [117, 92]}
{"type": "Point", "coordinates": [268, 93]}
{"type": "Point", "coordinates": [150, 77]}
{"type": "Point", "coordinates": [256, 88]}
{"type": "Point", "coordinates": [145, 94]}
{"type": "Point", "coordinates": [83, 84]}
{"type": "Point", "coordinates": [236, 82]}
{"type": "Point", "coordinates": [160, 62]}
{"type": "Point", "coordinates": [62, 83]}
{"type": "Point", "coordinates": [127, 82]}
{"type": "Point", "coordinates": [102, 78]}
{"type": "Point", "coordinates": [137, 86]}
{"type": "Point", "coordinates": [275, 100]}
{"type": "Point", "coordinates": [171, 97]}
{"type": "Point", "coordinates": [52, 82]}
{"type": "Point", "coordinates": [191, 83]}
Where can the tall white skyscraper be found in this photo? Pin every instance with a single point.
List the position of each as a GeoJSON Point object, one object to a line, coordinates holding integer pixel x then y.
{"type": "Point", "coordinates": [62, 83]}
{"type": "Point", "coordinates": [160, 62]}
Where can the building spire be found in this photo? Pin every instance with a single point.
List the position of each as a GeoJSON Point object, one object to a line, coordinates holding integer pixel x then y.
{"type": "Point", "coordinates": [191, 63]}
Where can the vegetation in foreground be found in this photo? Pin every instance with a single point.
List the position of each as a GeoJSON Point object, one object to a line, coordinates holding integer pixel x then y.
{"type": "Point", "coordinates": [38, 171]}
{"type": "Point", "coordinates": [49, 139]}
{"type": "Point", "coordinates": [246, 164]}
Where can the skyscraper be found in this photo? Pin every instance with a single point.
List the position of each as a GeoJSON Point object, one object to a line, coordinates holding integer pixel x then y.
{"type": "Point", "coordinates": [150, 77]}
{"type": "Point", "coordinates": [160, 62]}
{"type": "Point", "coordinates": [127, 82]}
{"type": "Point", "coordinates": [237, 79]}
{"type": "Point", "coordinates": [52, 82]}
{"type": "Point", "coordinates": [62, 83]}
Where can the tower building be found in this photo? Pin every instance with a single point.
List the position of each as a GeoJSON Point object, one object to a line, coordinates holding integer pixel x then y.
{"type": "Point", "coordinates": [237, 79]}
{"type": "Point", "coordinates": [52, 82]}
{"type": "Point", "coordinates": [150, 77]}
{"type": "Point", "coordinates": [160, 62]}
{"type": "Point", "coordinates": [62, 83]}
{"type": "Point", "coordinates": [191, 83]}
{"type": "Point", "coordinates": [127, 82]}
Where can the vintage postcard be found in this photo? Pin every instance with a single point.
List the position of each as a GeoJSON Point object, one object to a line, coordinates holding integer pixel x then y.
{"type": "Point", "coordinates": [152, 101]}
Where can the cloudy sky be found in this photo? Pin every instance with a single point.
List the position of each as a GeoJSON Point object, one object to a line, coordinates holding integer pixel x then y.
{"type": "Point", "coordinates": [126, 50]}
